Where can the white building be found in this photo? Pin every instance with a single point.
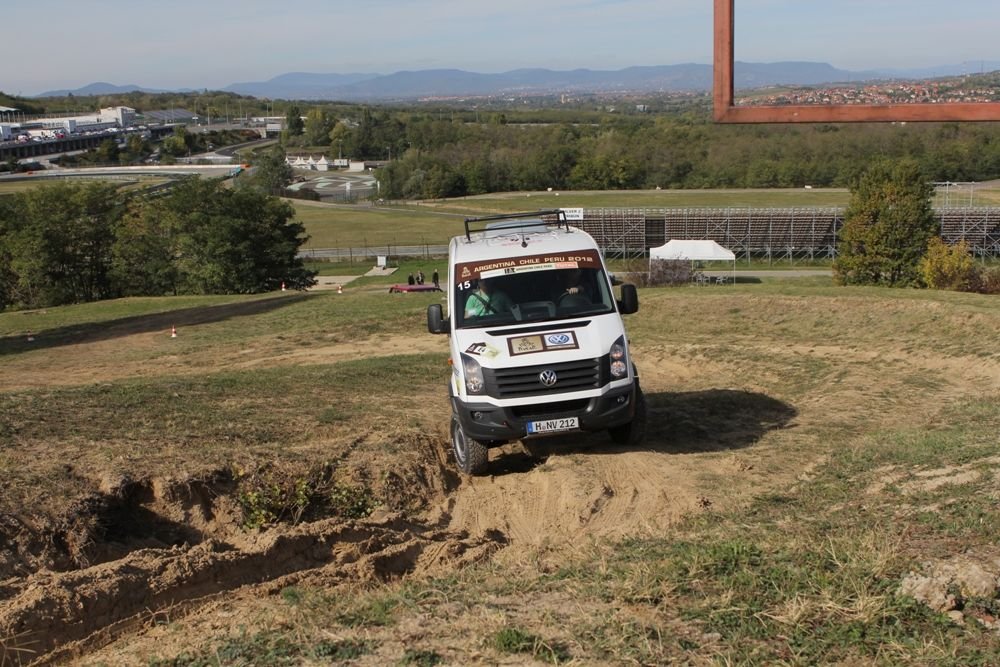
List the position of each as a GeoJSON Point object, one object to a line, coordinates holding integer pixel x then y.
{"type": "Point", "coordinates": [105, 119]}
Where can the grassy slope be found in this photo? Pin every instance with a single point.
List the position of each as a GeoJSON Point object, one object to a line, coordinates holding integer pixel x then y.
{"type": "Point", "coordinates": [802, 574]}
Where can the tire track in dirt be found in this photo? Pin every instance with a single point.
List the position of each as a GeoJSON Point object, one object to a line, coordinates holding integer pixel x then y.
{"type": "Point", "coordinates": [135, 549]}
{"type": "Point", "coordinates": [50, 610]}
{"type": "Point", "coordinates": [53, 609]}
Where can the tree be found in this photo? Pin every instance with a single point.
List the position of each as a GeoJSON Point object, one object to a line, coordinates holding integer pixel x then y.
{"type": "Point", "coordinates": [107, 151]}
{"type": "Point", "coordinates": [271, 172]}
{"type": "Point", "coordinates": [144, 252]}
{"type": "Point", "coordinates": [177, 143]}
{"type": "Point", "coordinates": [364, 142]}
{"type": "Point", "coordinates": [317, 127]}
{"type": "Point", "coordinates": [60, 243]}
{"type": "Point", "coordinates": [293, 121]}
{"type": "Point", "coordinates": [8, 278]}
{"type": "Point", "coordinates": [135, 147]}
{"type": "Point", "coordinates": [340, 136]}
{"type": "Point", "coordinates": [887, 226]}
{"type": "Point", "coordinates": [234, 241]}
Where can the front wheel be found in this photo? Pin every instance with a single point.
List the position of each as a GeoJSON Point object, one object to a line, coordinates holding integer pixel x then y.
{"type": "Point", "coordinates": [471, 456]}
{"type": "Point", "coordinates": [633, 432]}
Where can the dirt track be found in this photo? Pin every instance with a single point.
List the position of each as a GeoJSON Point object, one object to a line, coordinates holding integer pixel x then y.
{"type": "Point", "coordinates": [139, 550]}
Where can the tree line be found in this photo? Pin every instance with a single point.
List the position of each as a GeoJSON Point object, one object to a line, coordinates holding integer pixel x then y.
{"type": "Point", "coordinates": [483, 146]}
{"type": "Point", "coordinates": [434, 157]}
{"type": "Point", "coordinates": [70, 243]}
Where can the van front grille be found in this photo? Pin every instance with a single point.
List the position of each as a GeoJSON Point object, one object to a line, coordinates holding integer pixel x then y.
{"type": "Point", "coordinates": [575, 375]}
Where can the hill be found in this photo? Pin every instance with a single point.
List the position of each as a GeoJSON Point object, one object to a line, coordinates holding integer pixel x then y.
{"type": "Point", "coordinates": [273, 485]}
{"type": "Point", "coordinates": [405, 85]}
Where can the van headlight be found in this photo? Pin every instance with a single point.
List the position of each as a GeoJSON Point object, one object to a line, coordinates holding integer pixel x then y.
{"type": "Point", "coordinates": [619, 360]}
{"type": "Point", "coordinates": [474, 381]}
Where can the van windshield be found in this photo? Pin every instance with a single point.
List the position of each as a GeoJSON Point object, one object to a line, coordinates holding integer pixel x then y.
{"type": "Point", "coordinates": [532, 296]}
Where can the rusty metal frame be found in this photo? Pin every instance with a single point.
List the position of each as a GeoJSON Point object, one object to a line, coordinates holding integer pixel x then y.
{"type": "Point", "coordinates": [726, 112]}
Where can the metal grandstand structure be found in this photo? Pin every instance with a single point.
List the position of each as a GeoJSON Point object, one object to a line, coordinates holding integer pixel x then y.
{"type": "Point", "coordinates": [765, 233]}
{"type": "Point", "coordinates": [979, 227]}
{"type": "Point", "coordinates": [621, 232]}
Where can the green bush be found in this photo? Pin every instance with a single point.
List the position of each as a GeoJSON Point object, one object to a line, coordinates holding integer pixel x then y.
{"type": "Point", "coordinates": [270, 495]}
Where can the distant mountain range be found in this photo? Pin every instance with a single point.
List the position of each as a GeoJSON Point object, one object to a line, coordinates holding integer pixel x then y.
{"type": "Point", "coordinates": [103, 88]}
{"type": "Point", "coordinates": [450, 83]}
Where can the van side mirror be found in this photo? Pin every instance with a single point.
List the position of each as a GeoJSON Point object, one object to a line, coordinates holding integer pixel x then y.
{"type": "Point", "coordinates": [630, 300]}
{"type": "Point", "coordinates": [436, 322]}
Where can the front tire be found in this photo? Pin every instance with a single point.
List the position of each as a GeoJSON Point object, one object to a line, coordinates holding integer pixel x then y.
{"type": "Point", "coordinates": [632, 433]}
{"type": "Point", "coordinates": [471, 456]}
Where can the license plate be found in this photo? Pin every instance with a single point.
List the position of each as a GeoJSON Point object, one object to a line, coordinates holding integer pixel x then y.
{"type": "Point", "coordinates": [552, 425]}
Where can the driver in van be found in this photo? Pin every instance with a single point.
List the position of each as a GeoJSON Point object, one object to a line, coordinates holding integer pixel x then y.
{"type": "Point", "coordinates": [487, 300]}
{"type": "Point", "coordinates": [572, 282]}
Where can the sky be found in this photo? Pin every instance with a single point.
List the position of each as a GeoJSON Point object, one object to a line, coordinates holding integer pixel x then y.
{"type": "Point", "coordinates": [171, 44]}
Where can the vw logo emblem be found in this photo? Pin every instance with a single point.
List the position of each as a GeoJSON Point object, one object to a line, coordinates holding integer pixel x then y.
{"type": "Point", "coordinates": [559, 339]}
{"type": "Point", "coordinates": [548, 377]}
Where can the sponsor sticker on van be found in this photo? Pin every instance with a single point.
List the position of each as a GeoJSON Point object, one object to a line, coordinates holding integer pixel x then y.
{"type": "Point", "coordinates": [561, 340]}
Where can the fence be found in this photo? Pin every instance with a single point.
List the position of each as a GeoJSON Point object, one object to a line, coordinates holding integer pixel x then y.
{"type": "Point", "coordinates": [763, 233]}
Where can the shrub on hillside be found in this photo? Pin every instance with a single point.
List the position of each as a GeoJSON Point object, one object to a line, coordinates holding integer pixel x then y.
{"type": "Point", "coordinates": [659, 272]}
{"type": "Point", "coordinates": [949, 267]}
{"type": "Point", "coordinates": [989, 281]}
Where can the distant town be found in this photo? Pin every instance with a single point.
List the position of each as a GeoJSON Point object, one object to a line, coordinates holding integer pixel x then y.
{"type": "Point", "coordinates": [879, 93]}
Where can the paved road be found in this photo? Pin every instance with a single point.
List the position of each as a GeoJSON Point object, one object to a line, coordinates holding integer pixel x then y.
{"type": "Point", "coordinates": [178, 169]}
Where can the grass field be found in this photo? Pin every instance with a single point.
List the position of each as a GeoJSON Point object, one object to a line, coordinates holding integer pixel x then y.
{"type": "Point", "coordinates": [415, 223]}
{"type": "Point", "coordinates": [433, 222]}
{"type": "Point", "coordinates": [273, 486]}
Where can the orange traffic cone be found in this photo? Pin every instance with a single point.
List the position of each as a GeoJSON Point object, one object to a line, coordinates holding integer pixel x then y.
{"type": "Point", "coordinates": [340, 289]}
{"type": "Point", "coordinates": [282, 285]}
{"type": "Point", "coordinates": [173, 332]}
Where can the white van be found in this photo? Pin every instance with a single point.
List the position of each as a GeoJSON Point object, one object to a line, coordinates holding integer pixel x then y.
{"type": "Point", "coordinates": [538, 347]}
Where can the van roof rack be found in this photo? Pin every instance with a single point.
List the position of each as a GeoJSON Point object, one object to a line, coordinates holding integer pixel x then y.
{"type": "Point", "coordinates": [515, 221]}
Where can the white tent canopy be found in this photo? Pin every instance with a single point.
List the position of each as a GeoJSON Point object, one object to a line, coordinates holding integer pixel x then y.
{"type": "Point", "coordinates": [695, 251]}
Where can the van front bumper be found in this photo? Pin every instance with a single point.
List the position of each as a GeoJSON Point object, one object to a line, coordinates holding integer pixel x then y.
{"type": "Point", "coordinates": [494, 425]}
